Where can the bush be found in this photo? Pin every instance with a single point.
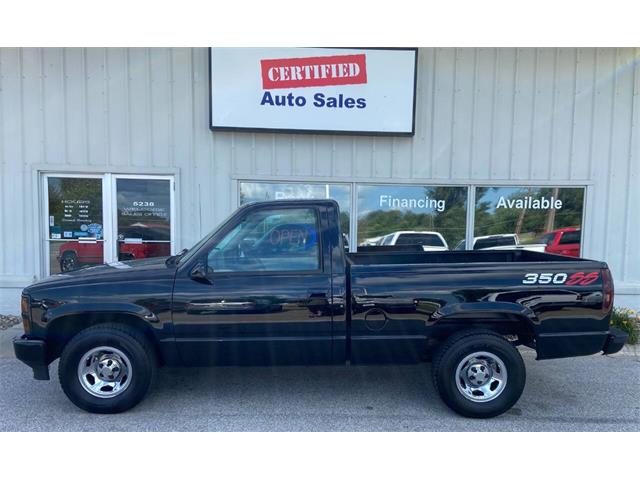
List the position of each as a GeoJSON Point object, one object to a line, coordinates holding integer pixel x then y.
{"type": "Point", "coordinates": [627, 320]}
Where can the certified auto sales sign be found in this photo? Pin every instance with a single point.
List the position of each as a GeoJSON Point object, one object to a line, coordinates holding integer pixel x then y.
{"type": "Point", "coordinates": [318, 90]}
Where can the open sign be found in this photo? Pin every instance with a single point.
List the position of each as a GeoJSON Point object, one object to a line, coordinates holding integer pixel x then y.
{"type": "Point", "coordinates": [286, 236]}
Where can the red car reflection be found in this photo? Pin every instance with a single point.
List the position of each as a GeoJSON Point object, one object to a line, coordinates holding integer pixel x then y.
{"type": "Point", "coordinates": [563, 241]}
{"type": "Point", "coordinates": [76, 254]}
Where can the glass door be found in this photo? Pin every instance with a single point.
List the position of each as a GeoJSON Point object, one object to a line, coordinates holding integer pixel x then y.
{"type": "Point", "coordinates": [95, 219]}
{"type": "Point", "coordinates": [75, 227]}
{"type": "Point", "coordinates": [143, 217]}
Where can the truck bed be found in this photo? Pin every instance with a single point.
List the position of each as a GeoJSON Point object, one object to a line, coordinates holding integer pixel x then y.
{"type": "Point", "coordinates": [400, 300]}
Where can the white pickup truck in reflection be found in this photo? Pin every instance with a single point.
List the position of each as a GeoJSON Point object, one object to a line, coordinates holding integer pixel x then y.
{"type": "Point", "coordinates": [429, 241]}
{"type": "Point", "coordinates": [507, 241]}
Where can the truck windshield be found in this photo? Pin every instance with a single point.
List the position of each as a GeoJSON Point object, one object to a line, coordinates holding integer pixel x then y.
{"type": "Point", "coordinates": [192, 251]}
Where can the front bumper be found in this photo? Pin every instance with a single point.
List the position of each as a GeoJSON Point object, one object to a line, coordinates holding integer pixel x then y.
{"type": "Point", "coordinates": [34, 354]}
{"type": "Point", "coordinates": [616, 339]}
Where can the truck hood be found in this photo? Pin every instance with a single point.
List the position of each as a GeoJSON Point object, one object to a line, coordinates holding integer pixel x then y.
{"type": "Point", "coordinates": [111, 272]}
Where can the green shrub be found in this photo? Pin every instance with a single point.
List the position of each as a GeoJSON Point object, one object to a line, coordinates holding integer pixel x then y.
{"type": "Point", "coordinates": [627, 320]}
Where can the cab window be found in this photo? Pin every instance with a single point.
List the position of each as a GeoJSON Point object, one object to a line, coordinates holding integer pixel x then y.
{"type": "Point", "coordinates": [285, 239]}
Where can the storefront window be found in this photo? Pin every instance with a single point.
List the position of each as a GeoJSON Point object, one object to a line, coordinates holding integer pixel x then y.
{"type": "Point", "coordinates": [75, 223]}
{"type": "Point", "coordinates": [144, 218]}
{"type": "Point", "coordinates": [536, 218]}
{"type": "Point", "coordinates": [432, 217]}
{"type": "Point", "coordinates": [260, 191]}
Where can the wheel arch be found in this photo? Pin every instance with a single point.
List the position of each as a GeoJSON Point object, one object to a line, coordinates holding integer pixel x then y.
{"type": "Point", "coordinates": [500, 317]}
{"type": "Point", "coordinates": [62, 329]}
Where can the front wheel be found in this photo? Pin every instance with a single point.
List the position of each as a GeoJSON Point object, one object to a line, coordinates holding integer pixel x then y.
{"type": "Point", "coordinates": [107, 368]}
{"type": "Point", "coordinates": [478, 374]}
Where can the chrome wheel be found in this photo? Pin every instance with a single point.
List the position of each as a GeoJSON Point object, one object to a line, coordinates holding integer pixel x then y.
{"type": "Point", "coordinates": [68, 262]}
{"type": "Point", "coordinates": [105, 372]}
{"type": "Point", "coordinates": [481, 376]}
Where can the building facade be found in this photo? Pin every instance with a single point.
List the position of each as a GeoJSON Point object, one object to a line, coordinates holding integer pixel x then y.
{"type": "Point", "coordinates": [107, 154]}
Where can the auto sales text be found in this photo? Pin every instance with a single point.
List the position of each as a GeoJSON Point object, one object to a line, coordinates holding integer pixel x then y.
{"type": "Point", "coordinates": [319, 100]}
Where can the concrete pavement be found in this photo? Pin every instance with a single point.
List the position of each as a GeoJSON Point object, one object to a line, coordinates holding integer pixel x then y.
{"type": "Point", "coordinates": [586, 393]}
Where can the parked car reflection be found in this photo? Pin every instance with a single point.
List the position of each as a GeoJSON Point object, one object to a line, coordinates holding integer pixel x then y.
{"type": "Point", "coordinates": [563, 241]}
{"type": "Point", "coordinates": [429, 241]}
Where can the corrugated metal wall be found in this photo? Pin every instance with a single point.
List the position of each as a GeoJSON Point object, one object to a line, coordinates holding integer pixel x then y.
{"type": "Point", "coordinates": [483, 115]}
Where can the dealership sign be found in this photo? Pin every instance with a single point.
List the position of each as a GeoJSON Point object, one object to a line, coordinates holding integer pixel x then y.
{"type": "Point", "coordinates": [326, 90]}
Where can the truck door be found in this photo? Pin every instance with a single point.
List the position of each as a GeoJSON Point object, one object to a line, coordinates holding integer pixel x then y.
{"type": "Point", "coordinates": [259, 293]}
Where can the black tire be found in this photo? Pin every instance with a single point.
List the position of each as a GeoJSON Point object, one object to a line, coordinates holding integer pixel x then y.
{"type": "Point", "coordinates": [132, 343]}
{"type": "Point", "coordinates": [68, 262]}
{"type": "Point", "coordinates": [454, 350]}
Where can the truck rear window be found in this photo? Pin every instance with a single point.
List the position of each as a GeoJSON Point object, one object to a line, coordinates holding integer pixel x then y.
{"type": "Point", "coordinates": [494, 242]}
{"type": "Point", "coordinates": [427, 239]}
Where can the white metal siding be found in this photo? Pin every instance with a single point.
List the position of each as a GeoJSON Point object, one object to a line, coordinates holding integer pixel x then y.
{"type": "Point", "coordinates": [483, 115]}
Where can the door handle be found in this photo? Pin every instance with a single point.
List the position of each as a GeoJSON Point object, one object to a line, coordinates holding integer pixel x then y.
{"type": "Point", "coordinates": [221, 305]}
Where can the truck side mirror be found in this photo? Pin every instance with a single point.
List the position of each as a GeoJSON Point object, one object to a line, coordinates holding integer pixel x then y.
{"type": "Point", "coordinates": [199, 274]}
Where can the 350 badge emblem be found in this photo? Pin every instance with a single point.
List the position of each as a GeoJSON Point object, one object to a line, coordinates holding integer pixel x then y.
{"type": "Point", "coordinates": [561, 278]}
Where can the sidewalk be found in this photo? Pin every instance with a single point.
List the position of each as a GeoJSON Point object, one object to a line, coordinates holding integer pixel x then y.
{"type": "Point", "coordinates": [630, 350]}
{"type": "Point", "coordinates": [6, 338]}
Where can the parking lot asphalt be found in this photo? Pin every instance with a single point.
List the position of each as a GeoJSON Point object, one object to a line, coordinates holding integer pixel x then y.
{"type": "Point", "coordinates": [584, 394]}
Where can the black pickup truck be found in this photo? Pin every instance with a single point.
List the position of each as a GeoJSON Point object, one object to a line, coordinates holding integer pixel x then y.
{"type": "Point", "coordinates": [274, 285]}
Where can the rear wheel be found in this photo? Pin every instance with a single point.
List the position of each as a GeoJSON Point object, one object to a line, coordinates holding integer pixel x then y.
{"type": "Point", "coordinates": [68, 261]}
{"type": "Point", "coordinates": [107, 368]}
{"type": "Point", "coordinates": [478, 374]}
